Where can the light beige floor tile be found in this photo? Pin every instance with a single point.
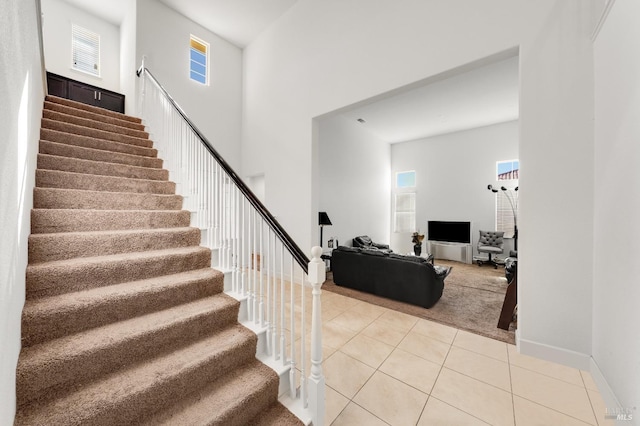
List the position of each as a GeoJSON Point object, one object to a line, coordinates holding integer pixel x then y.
{"type": "Point", "coordinates": [441, 414]}
{"type": "Point", "coordinates": [345, 374]}
{"type": "Point", "coordinates": [334, 404]}
{"type": "Point", "coordinates": [481, 367]}
{"type": "Point", "coordinates": [552, 393]}
{"type": "Point", "coordinates": [369, 310]}
{"type": "Point", "coordinates": [370, 351]}
{"type": "Point", "coordinates": [482, 345]}
{"type": "Point", "coordinates": [354, 415]}
{"type": "Point", "coordinates": [589, 383]}
{"type": "Point", "coordinates": [391, 400]}
{"type": "Point", "coordinates": [402, 322]}
{"type": "Point", "coordinates": [531, 414]}
{"type": "Point", "coordinates": [384, 332]}
{"type": "Point", "coordinates": [425, 347]}
{"type": "Point", "coordinates": [411, 369]}
{"type": "Point", "coordinates": [352, 320]}
{"type": "Point", "coordinates": [343, 302]}
{"type": "Point", "coordinates": [474, 397]}
{"type": "Point", "coordinates": [336, 336]}
{"type": "Point", "coordinates": [599, 408]}
{"type": "Point", "coordinates": [436, 331]}
{"type": "Point", "coordinates": [551, 369]}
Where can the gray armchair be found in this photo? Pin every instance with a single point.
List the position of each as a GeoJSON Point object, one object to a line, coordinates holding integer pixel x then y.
{"type": "Point", "coordinates": [490, 242]}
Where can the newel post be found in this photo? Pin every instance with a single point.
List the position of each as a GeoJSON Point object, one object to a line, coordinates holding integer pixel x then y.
{"type": "Point", "coordinates": [317, 275]}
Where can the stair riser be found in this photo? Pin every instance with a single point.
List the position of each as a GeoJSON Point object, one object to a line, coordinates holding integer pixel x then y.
{"type": "Point", "coordinates": [50, 162]}
{"type": "Point", "coordinates": [52, 106]}
{"type": "Point", "coordinates": [64, 150]}
{"type": "Point", "coordinates": [50, 279]}
{"type": "Point", "coordinates": [89, 142]}
{"type": "Point", "coordinates": [70, 180]}
{"type": "Point", "coordinates": [94, 133]}
{"type": "Point", "coordinates": [57, 375]}
{"type": "Point", "coordinates": [45, 221]}
{"type": "Point", "coordinates": [91, 108]}
{"type": "Point", "coordinates": [40, 325]}
{"type": "Point", "coordinates": [242, 411]}
{"type": "Point", "coordinates": [52, 198]}
{"type": "Point", "coordinates": [93, 124]}
{"type": "Point", "coordinates": [61, 246]}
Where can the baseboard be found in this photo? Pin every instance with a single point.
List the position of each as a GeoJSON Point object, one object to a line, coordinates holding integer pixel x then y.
{"type": "Point", "coordinates": [554, 354]}
{"type": "Point", "coordinates": [611, 402]}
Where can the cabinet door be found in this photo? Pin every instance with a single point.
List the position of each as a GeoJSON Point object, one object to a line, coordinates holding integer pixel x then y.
{"type": "Point", "coordinates": [81, 93]}
{"type": "Point", "coordinates": [57, 86]}
{"type": "Point", "coordinates": [111, 101]}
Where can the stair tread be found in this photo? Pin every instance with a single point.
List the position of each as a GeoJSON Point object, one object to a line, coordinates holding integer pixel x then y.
{"type": "Point", "coordinates": [91, 401]}
{"type": "Point", "coordinates": [48, 123]}
{"type": "Point", "coordinates": [72, 198]}
{"type": "Point", "coordinates": [72, 110]}
{"type": "Point", "coordinates": [39, 323]}
{"type": "Point", "coordinates": [58, 136]}
{"type": "Point", "coordinates": [214, 404]}
{"type": "Point", "coordinates": [277, 415]}
{"type": "Point", "coordinates": [65, 179]}
{"type": "Point", "coordinates": [94, 154]}
{"type": "Point", "coordinates": [100, 168]}
{"type": "Point", "coordinates": [80, 105]}
{"type": "Point", "coordinates": [56, 351]}
{"type": "Point", "coordinates": [92, 123]}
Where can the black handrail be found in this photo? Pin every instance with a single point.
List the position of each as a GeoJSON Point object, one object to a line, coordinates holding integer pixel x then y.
{"type": "Point", "coordinates": [287, 241]}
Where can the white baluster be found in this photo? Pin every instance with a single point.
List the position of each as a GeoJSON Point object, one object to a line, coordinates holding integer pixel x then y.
{"type": "Point", "coordinates": [292, 327]}
{"type": "Point", "coordinates": [283, 342]}
{"type": "Point", "coordinates": [260, 273]}
{"type": "Point", "coordinates": [317, 275]}
{"type": "Point", "coordinates": [303, 346]}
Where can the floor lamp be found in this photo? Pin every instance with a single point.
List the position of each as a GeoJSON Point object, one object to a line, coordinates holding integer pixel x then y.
{"type": "Point", "coordinates": [323, 220]}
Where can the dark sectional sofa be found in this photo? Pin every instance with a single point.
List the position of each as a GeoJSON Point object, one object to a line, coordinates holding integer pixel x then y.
{"type": "Point", "coordinates": [408, 279]}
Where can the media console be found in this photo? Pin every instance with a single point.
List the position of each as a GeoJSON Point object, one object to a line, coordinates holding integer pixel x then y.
{"type": "Point", "coordinates": [460, 252]}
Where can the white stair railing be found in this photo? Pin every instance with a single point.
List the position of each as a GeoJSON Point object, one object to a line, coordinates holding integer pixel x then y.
{"type": "Point", "coordinates": [263, 266]}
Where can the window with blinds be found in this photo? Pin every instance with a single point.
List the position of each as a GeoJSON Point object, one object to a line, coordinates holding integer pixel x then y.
{"type": "Point", "coordinates": [85, 48]}
{"type": "Point", "coordinates": [405, 212]}
{"type": "Point", "coordinates": [507, 201]}
{"type": "Point", "coordinates": [199, 60]}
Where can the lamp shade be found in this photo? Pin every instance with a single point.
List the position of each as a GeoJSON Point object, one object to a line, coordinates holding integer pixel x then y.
{"type": "Point", "coordinates": [323, 219]}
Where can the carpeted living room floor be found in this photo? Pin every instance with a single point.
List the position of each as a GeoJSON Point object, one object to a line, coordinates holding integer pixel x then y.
{"type": "Point", "coordinates": [472, 300]}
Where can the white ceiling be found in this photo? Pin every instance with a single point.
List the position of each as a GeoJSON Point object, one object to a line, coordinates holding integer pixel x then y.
{"type": "Point", "coordinates": [237, 21]}
{"type": "Point", "coordinates": [480, 97]}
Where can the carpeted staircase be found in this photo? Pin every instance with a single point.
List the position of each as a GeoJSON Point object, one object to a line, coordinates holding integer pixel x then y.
{"type": "Point", "coordinates": [125, 322]}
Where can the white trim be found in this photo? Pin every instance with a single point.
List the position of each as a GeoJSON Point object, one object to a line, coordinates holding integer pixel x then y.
{"type": "Point", "coordinates": [553, 353]}
{"type": "Point", "coordinates": [603, 18]}
{"type": "Point", "coordinates": [605, 390]}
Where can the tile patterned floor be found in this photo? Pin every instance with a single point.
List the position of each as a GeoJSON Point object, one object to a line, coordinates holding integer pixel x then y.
{"type": "Point", "coordinates": [387, 368]}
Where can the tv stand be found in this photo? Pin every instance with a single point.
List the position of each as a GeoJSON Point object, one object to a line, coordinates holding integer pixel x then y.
{"type": "Point", "coordinates": [460, 252]}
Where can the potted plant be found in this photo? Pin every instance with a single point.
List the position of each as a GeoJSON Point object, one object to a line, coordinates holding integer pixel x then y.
{"type": "Point", "coordinates": [416, 239]}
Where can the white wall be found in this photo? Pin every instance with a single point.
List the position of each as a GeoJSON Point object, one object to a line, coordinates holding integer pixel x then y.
{"type": "Point", "coordinates": [354, 182]}
{"type": "Point", "coordinates": [616, 341]}
{"type": "Point", "coordinates": [324, 55]}
{"type": "Point", "coordinates": [163, 36]}
{"type": "Point", "coordinates": [452, 174]}
{"type": "Point", "coordinates": [128, 60]}
{"type": "Point", "coordinates": [57, 19]}
{"type": "Point", "coordinates": [22, 93]}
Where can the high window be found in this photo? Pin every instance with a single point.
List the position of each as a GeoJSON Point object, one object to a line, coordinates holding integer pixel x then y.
{"type": "Point", "coordinates": [404, 206]}
{"type": "Point", "coordinates": [507, 173]}
{"type": "Point", "coordinates": [199, 60]}
{"type": "Point", "coordinates": [85, 48]}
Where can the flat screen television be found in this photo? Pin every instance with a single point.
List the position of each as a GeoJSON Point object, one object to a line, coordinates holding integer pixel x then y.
{"type": "Point", "coordinates": [448, 231]}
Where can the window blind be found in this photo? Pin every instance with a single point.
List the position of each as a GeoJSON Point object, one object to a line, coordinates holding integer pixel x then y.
{"type": "Point", "coordinates": [85, 45]}
{"type": "Point", "coordinates": [199, 54]}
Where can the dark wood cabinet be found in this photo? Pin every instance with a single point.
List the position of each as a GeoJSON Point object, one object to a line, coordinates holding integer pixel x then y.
{"type": "Point", "coordinates": [82, 92]}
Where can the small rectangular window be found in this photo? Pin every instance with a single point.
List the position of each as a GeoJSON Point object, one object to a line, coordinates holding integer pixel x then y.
{"type": "Point", "coordinates": [406, 179]}
{"type": "Point", "coordinates": [199, 60]}
{"type": "Point", "coordinates": [85, 48]}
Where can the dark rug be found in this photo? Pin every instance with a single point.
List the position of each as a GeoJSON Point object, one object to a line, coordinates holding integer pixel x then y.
{"type": "Point", "coordinates": [471, 300]}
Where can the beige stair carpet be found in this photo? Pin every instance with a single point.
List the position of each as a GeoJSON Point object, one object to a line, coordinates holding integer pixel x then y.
{"type": "Point", "coordinates": [125, 321]}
